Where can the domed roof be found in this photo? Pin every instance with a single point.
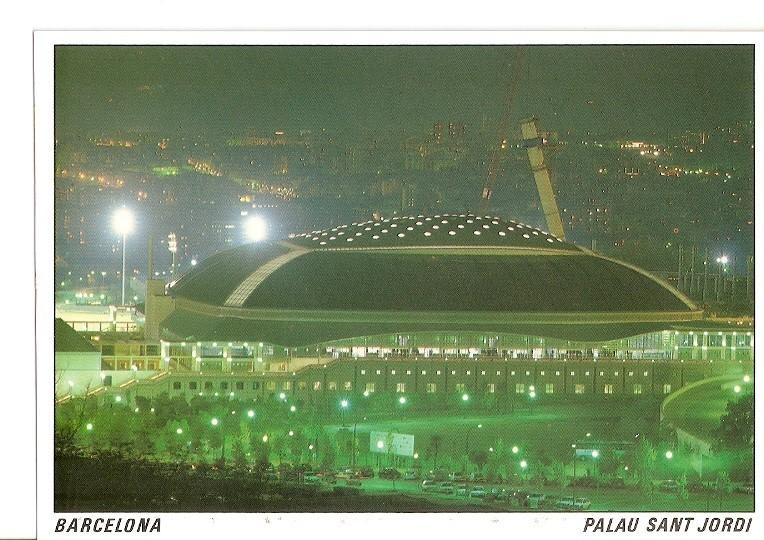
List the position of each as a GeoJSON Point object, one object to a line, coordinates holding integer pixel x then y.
{"type": "Point", "coordinates": [442, 263]}
{"type": "Point", "coordinates": [437, 230]}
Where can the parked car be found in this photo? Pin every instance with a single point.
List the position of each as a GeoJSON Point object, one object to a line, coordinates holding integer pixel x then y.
{"type": "Point", "coordinates": [364, 473]}
{"type": "Point", "coordinates": [446, 487]}
{"type": "Point", "coordinates": [535, 500]}
{"type": "Point", "coordinates": [430, 485]}
{"type": "Point", "coordinates": [582, 503]}
{"type": "Point", "coordinates": [390, 474]}
{"type": "Point", "coordinates": [668, 485]}
{"type": "Point", "coordinates": [311, 478]}
{"type": "Point", "coordinates": [478, 492]}
{"type": "Point", "coordinates": [461, 489]}
{"type": "Point", "coordinates": [344, 475]}
{"type": "Point", "coordinates": [565, 503]}
{"type": "Point", "coordinates": [411, 475]}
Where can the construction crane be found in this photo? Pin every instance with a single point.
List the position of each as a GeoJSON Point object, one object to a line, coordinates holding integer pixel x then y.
{"type": "Point", "coordinates": [535, 141]}
{"type": "Point", "coordinates": [493, 159]}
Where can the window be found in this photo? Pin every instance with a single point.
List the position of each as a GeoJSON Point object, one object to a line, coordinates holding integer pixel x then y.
{"type": "Point", "coordinates": [637, 388]}
{"type": "Point", "coordinates": [176, 385]}
{"type": "Point", "coordinates": [542, 373]}
{"type": "Point", "coordinates": [519, 388]}
{"type": "Point", "coordinates": [392, 372]}
{"type": "Point", "coordinates": [459, 387]}
{"type": "Point", "coordinates": [482, 372]}
{"type": "Point", "coordinates": [224, 385]}
{"type": "Point", "coordinates": [424, 372]}
{"type": "Point", "coordinates": [572, 373]}
{"type": "Point", "coordinates": [437, 372]}
{"type": "Point", "coordinates": [490, 388]}
{"type": "Point", "coordinates": [239, 385]}
{"type": "Point", "coordinates": [586, 374]}
{"type": "Point", "coordinates": [408, 372]}
{"type": "Point", "coordinates": [512, 373]}
{"type": "Point", "coordinates": [369, 387]}
{"type": "Point", "coordinates": [453, 372]}
{"type": "Point", "coordinates": [379, 372]}
{"type": "Point", "coordinates": [348, 385]}
{"type": "Point", "coordinates": [527, 373]}
{"type": "Point", "coordinates": [255, 385]}
{"type": "Point", "coordinates": [270, 385]}
{"type": "Point", "coordinates": [579, 388]}
{"type": "Point", "coordinates": [645, 373]}
{"type": "Point", "coordinates": [468, 372]}
{"type": "Point", "coordinates": [286, 385]}
{"type": "Point", "coordinates": [316, 386]}
{"type": "Point", "coordinates": [631, 373]}
{"type": "Point", "coordinates": [602, 373]}
{"type": "Point", "coordinates": [607, 389]}
{"type": "Point", "coordinates": [208, 385]}
{"type": "Point", "coordinates": [666, 388]}
{"type": "Point", "coordinates": [400, 387]}
{"type": "Point", "coordinates": [549, 388]}
{"type": "Point", "coordinates": [332, 385]}
{"type": "Point", "coordinates": [431, 388]}
{"type": "Point", "coordinates": [192, 385]}
{"type": "Point", "coordinates": [498, 372]}
{"type": "Point", "coordinates": [363, 372]}
{"type": "Point", "coordinates": [302, 385]}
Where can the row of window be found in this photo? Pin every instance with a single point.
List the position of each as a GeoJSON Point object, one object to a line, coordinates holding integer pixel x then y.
{"type": "Point", "coordinates": [370, 387]}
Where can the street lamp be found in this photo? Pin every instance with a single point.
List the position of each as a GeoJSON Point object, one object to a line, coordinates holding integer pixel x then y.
{"type": "Point", "coordinates": [214, 421]}
{"type": "Point", "coordinates": [89, 427]}
{"type": "Point", "coordinates": [515, 449]}
{"type": "Point", "coordinates": [123, 223]}
{"type": "Point", "coordinates": [255, 229]}
{"type": "Point", "coordinates": [292, 408]}
{"type": "Point", "coordinates": [669, 454]}
{"type": "Point", "coordinates": [179, 431]}
{"type": "Point", "coordinates": [402, 400]}
{"type": "Point", "coordinates": [343, 407]}
{"type": "Point", "coordinates": [251, 413]}
{"type": "Point", "coordinates": [465, 397]}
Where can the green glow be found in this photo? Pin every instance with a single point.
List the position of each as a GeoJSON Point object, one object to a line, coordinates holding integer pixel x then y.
{"type": "Point", "coordinates": [402, 400]}
{"type": "Point", "coordinates": [251, 413]}
{"type": "Point", "coordinates": [515, 449]}
{"type": "Point", "coordinates": [179, 431]}
{"type": "Point", "coordinates": [214, 421]}
{"type": "Point", "coordinates": [166, 170]}
{"type": "Point", "coordinates": [669, 454]}
{"type": "Point", "coordinates": [523, 464]}
{"type": "Point", "coordinates": [89, 427]}
{"type": "Point", "coordinates": [465, 397]}
{"type": "Point", "coordinates": [595, 453]}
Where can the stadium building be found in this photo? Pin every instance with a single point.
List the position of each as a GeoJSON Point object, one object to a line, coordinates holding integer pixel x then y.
{"type": "Point", "coordinates": [431, 307]}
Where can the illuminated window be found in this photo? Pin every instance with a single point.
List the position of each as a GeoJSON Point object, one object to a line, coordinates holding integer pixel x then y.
{"type": "Point", "coordinates": [286, 385]}
{"type": "Point", "coordinates": [498, 372]}
{"type": "Point", "coordinates": [392, 372]}
{"type": "Point", "coordinates": [549, 388]}
{"type": "Point", "coordinates": [270, 385]}
{"type": "Point", "coordinates": [430, 388]}
{"type": "Point", "coordinates": [453, 372]}
{"type": "Point", "coordinates": [400, 387]}
{"type": "Point", "coordinates": [607, 389]}
{"type": "Point", "coordinates": [369, 387]}
{"type": "Point", "coordinates": [542, 373]}
{"type": "Point", "coordinates": [363, 372]}
{"type": "Point", "coordinates": [348, 385]}
{"type": "Point", "coordinates": [519, 388]}
{"type": "Point", "coordinates": [637, 388]}
{"type": "Point", "coordinates": [482, 372]}
{"type": "Point", "coordinates": [316, 386]}
{"type": "Point", "coordinates": [332, 385]}
{"type": "Point", "coordinates": [631, 373]}
{"type": "Point", "coordinates": [579, 388]}
{"type": "Point", "coordinates": [408, 372]}
{"type": "Point", "coordinates": [379, 372]}
{"type": "Point", "coordinates": [645, 373]}
{"type": "Point", "coordinates": [424, 372]}
{"type": "Point", "coordinates": [460, 387]}
{"type": "Point", "coordinates": [490, 388]}
{"type": "Point", "coordinates": [302, 385]}
{"type": "Point", "coordinates": [437, 372]}
{"type": "Point", "coordinates": [666, 388]}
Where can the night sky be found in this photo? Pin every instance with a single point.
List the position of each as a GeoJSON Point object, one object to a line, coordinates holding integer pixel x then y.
{"type": "Point", "coordinates": [606, 89]}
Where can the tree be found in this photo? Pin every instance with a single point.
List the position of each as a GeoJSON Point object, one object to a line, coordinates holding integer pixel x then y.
{"type": "Point", "coordinates": [735, 430]}
{"type": "Point", "coordinates": [644, 465]}
{"type": "Point", "coordinates": [559, 475]}
{"type": "Point", "coordinates": [435, 441]}
{"type": "Point", "coordinates": [238, 454]}
{"type": "Point", "coordinates": [723, 487]}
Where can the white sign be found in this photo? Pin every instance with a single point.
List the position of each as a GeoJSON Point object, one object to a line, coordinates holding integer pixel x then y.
{"type": "Point", "coordinates": [384, 442]}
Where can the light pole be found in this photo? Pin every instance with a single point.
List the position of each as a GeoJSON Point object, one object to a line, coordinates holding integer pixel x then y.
{"type": "Point", "coordinates": [123, 223]}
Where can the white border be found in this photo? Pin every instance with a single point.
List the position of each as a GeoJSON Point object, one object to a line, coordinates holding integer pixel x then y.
{"type": "Point", "coordinates": [313, 526]}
